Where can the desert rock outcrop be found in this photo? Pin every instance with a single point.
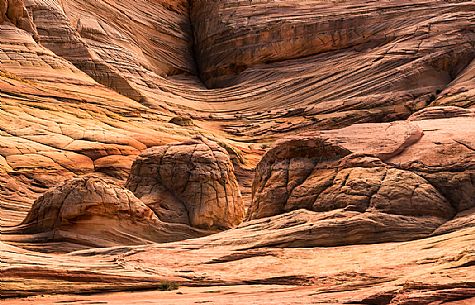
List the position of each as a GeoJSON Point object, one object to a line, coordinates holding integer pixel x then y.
{"type": "Point", "coordinates": [191, 183]}
{"type": "Point", "coordinates": [368, 173]}
{"type": "Point", "coordinates": [97, 212]}
{"type": "Point", "coordinates": [438, 269]}
{"type": "Point", "coordinates": [375, 100]}
{"type": "Point", "coordinates": [184, 190]}
{"type": "Point", "coordinates": [294, 29]}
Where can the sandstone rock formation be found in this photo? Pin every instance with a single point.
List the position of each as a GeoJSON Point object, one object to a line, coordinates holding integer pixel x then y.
{"type": "Point", "coordinates": [96, 212]}
{"type": "Point", "coordinates": [88, 86]}
{"type": "Point", "coordinates": [191, 183]}
{"type": "Point", "coordinates": [15, 12]}
{"type": "Point", "coordinates": [185, 190]}
{"type": "Point", "coordinates": [437, 269]}
{"type": "Point", "coordinates": [369, 177]}
{"type": "Point", "coordinates": [125, 69]}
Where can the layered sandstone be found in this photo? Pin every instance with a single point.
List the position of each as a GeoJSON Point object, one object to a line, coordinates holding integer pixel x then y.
{"type": "Point", "coordinates": [182, 190]}
{"type": "Point", "coordinates": [87, 88]}
{"type": "Point", "coordinates": [437, 269]}
{"type": "Point", "coordinates": [359, 184]}
{"type": "Point", "coordinates": [97, 212]}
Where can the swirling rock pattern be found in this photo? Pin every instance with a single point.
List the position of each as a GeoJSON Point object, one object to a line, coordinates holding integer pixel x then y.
{"type": "Point", "coordinates": [375, 100]}
{"type": "Point", "coordinates": [97, 212]}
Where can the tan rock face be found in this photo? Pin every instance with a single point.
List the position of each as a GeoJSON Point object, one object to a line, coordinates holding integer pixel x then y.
{"type": "Point", "coordinates": [83, 197]}
{"type": "Point", "coordinates": [15, 10]}
{"type": "Point", "coordinates": [191, 183]}
{"type": "Point", "coordinates": [3, 10]}
{"type": "Point", "coordinates": [274, 31]}
{"type": "Point", "coordinates": [121, 49]}
{"type": "Point", "coordinates": [287, 166]}
{"type": "Point", "coordinates": [180, 187]}
{"type": "Point", "coordinates": [437, 269]}
{"type": "Point", "coordinates": [340, 171]}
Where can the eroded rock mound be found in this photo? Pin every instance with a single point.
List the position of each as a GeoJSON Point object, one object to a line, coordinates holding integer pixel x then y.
{"type": "Point", "coordinates": [375, 182]}
{"type": "Point", "coordinates": [190, 183]}
{"type": "Point", "coordinates": [287, 166]}
{"type": "Point", "coordinates": [184, 190]}
{"type": "Point", "coordinates": [96, 211]}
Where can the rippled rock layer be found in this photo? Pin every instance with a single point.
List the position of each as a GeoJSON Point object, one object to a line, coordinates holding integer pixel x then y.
{"type": "Point", "coordinates": [332, 124]}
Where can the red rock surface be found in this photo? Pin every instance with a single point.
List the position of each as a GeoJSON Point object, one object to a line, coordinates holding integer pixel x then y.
{"type": "Point", "coordinates": [98, 213]}
{"type": "Point", "coordinates": [371, 104]}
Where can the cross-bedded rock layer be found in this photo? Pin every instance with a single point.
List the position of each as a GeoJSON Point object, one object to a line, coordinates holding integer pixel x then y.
{"type": "Point", "coordinates": [183, 190]}
{"type": "Point", "coordinates": [87, 86]}
{"type": "Point", "coordinates": [97, 212]}
{"type": "Point", "coordinates": [355, 185]}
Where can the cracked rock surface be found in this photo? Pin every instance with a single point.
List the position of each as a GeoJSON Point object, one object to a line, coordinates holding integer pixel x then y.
{"type": "Point", "coordinates": [191, 183]}
{"type": "Point", "coordinates": [174, 192]}
{"type": "Point", "coordinates": [401, 180]}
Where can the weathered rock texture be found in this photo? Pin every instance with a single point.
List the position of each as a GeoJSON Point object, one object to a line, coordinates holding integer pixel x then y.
{"type": "Point", "coordinates": [234, 36]}
{"type": "Point", "coordinates": [15, 12]}
{"type": "Point", "coordinates": [191, 183]}
{"type": "Point", "coordinates": [103, 79]}
{"type": "Point", "coordinates": [96, 212]}
{"type": "Point", "coordinates": [372, 182]}
{"type": "Point", "coordinates": [184, 190]}
{"type": "Point", "coordinates": [87, 86]}
{"type": "Point", "coordinates": [439, 269]}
